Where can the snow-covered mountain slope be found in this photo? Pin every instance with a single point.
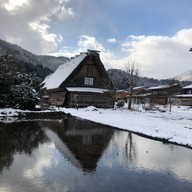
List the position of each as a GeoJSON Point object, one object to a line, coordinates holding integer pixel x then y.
{"type": "Point", "coordinates": [187, 76]}
{"type": "Point", "coordinates": [23, 55]}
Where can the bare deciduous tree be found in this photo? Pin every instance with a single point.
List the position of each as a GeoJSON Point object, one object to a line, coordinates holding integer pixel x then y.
{"type": "Point", "coordinates": [174, 88]}
{"type": "Point", "coordinates": [132, 69]}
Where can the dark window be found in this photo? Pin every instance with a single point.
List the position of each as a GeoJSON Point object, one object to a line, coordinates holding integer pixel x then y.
{"type": "Point", "coordinates": [88, 81]}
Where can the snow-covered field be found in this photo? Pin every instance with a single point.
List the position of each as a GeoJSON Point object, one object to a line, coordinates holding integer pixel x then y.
{"type": "Point", "coordinates": [174, 126]}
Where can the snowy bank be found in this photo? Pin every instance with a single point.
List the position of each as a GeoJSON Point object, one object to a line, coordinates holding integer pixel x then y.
{"type": "Point", "coordinates": [175, 126]}
{"type": "Point", "coordinates": [53, 112]}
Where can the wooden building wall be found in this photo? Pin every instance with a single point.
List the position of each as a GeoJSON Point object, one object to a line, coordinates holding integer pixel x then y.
{"type": "Point", "coordinates": [161, 100]}
{"type": "Point", "coordinates": [183, 101]}
{"type": "Point", "coordinates": [100, 100]}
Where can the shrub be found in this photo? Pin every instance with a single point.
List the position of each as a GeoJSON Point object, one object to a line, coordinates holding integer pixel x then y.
{"type": "Point", "coordinates": [120, 103]}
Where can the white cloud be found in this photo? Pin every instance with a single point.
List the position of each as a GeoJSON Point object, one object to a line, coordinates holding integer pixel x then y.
{"type": "Point", "coordinates": [12, 5]}
{"type": "Point", "coordinates": [85, 42]}
{"type": "Point", "coordinates": [64, 12]}
{"type": "Point", "coordinates": [184, 37]}
{"type": "Point", "coordinates": [161, 56]}
{"type": "Point", "coordinates": [48, 41]}
{"type": "Point", "coordinates": [89, 42]}
{"type": "Point", "coordinates": [112, 40]}
{"type": "Point", "coordinates": [27, 23]}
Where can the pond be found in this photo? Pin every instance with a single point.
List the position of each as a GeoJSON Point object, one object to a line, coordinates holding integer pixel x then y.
{"type": "Point", "coordinates": [70, 154]}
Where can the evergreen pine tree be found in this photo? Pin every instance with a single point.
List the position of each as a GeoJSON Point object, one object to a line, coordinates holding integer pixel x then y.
{"type": "Point", "coordinates": [18, 89]}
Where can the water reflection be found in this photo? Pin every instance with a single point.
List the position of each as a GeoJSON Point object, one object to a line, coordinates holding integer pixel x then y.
{"type": "Point", "coordinates": [144, 154]}
{"type": "Point", "coordinates": [18, 138]}
{"type": "Point", "coordinates": [75, 155]}
{"type": "Point", "coordinates": [81, 142]}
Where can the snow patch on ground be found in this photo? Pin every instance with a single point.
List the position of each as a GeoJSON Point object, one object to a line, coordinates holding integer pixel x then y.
{"type": "Point", "coordinates": [9, 112]}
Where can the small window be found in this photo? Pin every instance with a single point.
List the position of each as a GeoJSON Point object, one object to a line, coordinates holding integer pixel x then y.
{"type": "Point", "coordinates": [88, 81]}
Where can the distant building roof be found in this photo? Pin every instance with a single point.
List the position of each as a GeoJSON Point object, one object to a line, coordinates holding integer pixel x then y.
{"type": "Point", "coordinates": [188, 87]}
{"type": "Point", "coordinates": [159, 87]}
{"type": "Point", "coordinates": [122, 91]}
{"type": "Point", "coordinates": [140, 87]}
{"type": "Point", "coordinates": [162, 86]}
{"type": "Point", "coordinates": [184, 96]}
{"type": "Point", "coordinates": [142, 95]}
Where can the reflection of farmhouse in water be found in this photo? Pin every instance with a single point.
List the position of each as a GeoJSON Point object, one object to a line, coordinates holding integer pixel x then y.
{"type": "Point", "coordinates": [81, 142]}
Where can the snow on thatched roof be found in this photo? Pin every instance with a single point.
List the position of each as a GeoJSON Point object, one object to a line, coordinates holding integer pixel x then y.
{"type": "Point", "coordinates": [62, 72]}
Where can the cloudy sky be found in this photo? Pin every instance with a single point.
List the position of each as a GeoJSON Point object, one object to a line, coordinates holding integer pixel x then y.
{"type": "Point", "coordinates": [156, 34]}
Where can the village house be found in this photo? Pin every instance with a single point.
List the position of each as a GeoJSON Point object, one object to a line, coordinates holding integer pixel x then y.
{"type": "Point", "coordinates": [80, 82]}
{"type": "Point", "coordinates": [160, 94]}
{"type": "Point", "coordinates": [154, 95]}
{"type": "Point", "coordinates": [137, 95]}
{"type": "Point", "coordinates": [140, 95]}
{"type": "Point", "coordinates": [187, 90]}
{"type": "Point", "coordinates": [186, 97]}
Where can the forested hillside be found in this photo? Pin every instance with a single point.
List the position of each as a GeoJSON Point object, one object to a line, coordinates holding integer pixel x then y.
{"type": "Point", "coordinates": [25, 56]}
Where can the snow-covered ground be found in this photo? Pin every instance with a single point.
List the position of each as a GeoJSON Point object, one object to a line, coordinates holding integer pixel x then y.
{"type": "Point", "coordinates": [174, 126]}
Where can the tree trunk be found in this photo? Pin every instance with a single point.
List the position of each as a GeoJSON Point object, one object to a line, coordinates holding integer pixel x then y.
{"type": "Point", "coordinates": [170, 104]}
{"type": "Point", "coordinates": [130, 100]}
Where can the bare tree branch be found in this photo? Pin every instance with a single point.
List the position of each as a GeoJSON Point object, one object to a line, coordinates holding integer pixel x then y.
{"type": "Point", "coordinates": [132, 69]}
